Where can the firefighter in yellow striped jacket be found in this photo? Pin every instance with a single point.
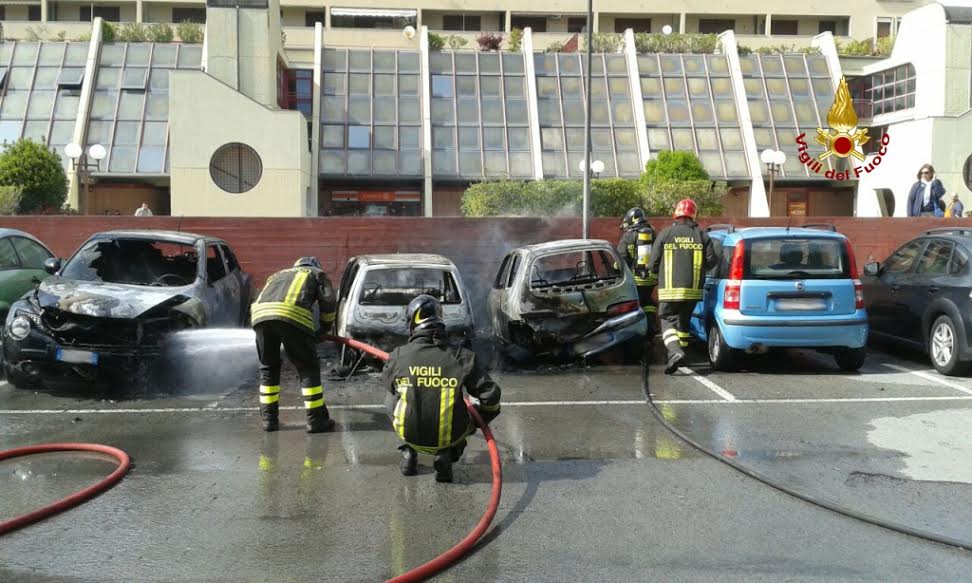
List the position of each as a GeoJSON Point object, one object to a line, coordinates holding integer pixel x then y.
{"type": "Point", "coordinates": [680, 257]}
{"type": "Point", "coordinates": [635, 248]}
{"type": "Point", "coordinates": [295, 306]}
{"type": "Point", "coordinates": [425, 380]}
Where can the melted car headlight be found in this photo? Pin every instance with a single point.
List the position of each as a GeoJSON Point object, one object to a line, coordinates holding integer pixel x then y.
{"type": "Point", "coordinates": [19, 328]}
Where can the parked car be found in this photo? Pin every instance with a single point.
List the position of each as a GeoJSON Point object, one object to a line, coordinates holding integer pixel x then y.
{"type": "Point", "coordinates": [111, 306]}
{"type": "Point", "coordinates": [573, 298]}
{"type": "Point", "coordinates": [782, 288]}
{"type": "Point", "coordinates": [376, 289]}
{"type": "Point", "coordinates": [922, 296]}
{"type": "Point", "coordinates": [22, 260]}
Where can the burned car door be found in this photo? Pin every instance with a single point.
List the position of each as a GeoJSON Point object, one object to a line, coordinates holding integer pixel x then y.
{"type": "Point", "coordinates": [344, 294]}
{"type": "Point", "coordinates": [219, 291]}
{"type": "Point", "coordinates": [498, 299]}
{"type": "Point", "coordinates": [238, 286]}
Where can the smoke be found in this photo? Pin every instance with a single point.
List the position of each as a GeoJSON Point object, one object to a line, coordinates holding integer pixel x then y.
{"type": "Point", "coordinates": [198, 361]}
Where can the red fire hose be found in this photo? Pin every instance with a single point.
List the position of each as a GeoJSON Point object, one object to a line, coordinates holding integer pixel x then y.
{"type": "Point", "coordinates": [423, 572]}
{"type": "Point", "coordinates": [74, 499]}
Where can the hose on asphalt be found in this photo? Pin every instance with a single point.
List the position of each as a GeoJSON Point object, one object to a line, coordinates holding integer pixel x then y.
{"type": "Point", "coordinates": [463, 547]}
{"type": "Point", "coordinates": [75, 499]}
{"type": "Point", "coordinates": [832, 506]}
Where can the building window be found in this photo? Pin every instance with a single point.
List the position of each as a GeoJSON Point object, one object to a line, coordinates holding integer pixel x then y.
{"type": "Point", "coordinates": [893, 90]}
{"type": "Point", "coordinates": [311, 18]}
{"type": "Point", "coordinates": [108, 13]}
{"type": "Point", "coordinates": [716, 25]}
{"type": "Point", "coordinates": [536, 23]}
{"type": "Point", "coordinates": [197, 15]}
{"type": "Point", "coordinates": [236, 168]}
{"type": "Point", "coordinates": [635, 24]}
{"type": "Point", "coordinates": [827, 26]}
{"type": "Point", "coordinates": [237, 3]}
{"type": "Point", "coordinates": [577, 24]}
{"type": "Point", "coordinates": [462, 22]}
{"type": "Point", "coordinates": [784, 27]}
{"type": "Point", "coordinates": [376, 18]}
{"type": "Point", "coordinates": [874, 144]}
{"type": "Point", "coordinates": [3, 13]}
{"type": "Point", "coordinates": [34, 13]}
{"type": "Point", "coordinates": [884, 25]}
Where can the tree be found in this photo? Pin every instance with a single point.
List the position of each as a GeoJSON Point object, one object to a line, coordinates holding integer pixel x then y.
{"type": "Point", "coordinates": [674, 166]}
{"type": "Point", "coordinates": [38, 172]}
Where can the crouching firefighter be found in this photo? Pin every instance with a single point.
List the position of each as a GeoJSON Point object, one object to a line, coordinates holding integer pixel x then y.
{"type": "Point", "coordinates": [425, 380]}
{"type": "Point", "coordinates": [680, 257]}
{"type": "Point", "coordinates": [295, 306]}
{"type": "Point", "coordinates": [635, 249]}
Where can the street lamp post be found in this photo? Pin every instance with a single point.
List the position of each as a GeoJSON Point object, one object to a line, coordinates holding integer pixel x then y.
{"type": "Point", "coordinates": [587, 122]}
{"type": "Point", "coordinates": [84, 166]}
{"type": "Point", "coordinates": [774, 160]}
{"type": "Point", "coordinates": [596, 168]}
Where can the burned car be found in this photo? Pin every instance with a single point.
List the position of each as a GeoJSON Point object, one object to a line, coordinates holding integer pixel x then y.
{"type": "Point", "coordinates": [110, 308]}
{"type": "Point", "coordinates": [571, 298]}
{"type": "Point", "coordinates": [376, 289]}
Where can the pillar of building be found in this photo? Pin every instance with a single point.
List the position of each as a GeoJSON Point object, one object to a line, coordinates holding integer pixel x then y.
{"type": "Point", "coordinates": [526, 47]}
{"type": "Point", "coordinates": [682, 22]}
{"type": "Point", "coordinates": [84, 107]}
{"type": "Point", "coordinates": [508, 24]}
{"type": "Point", "coordinates": [315, 179]}
{"type": "Point", "coordinates": [426, 121]}
{"type": "Point", "coordinates": [139, 12]}
{"type": "Point", "coordinates": [44, 11]}
{"type": "Point", "coordinates": [769, 25]}
{"type": "Point", "coordinates": [597, 17]}
{"type": "Point", "coordinates": [634, 81]}
{"type": "Point", "coordinates": [758, 204]}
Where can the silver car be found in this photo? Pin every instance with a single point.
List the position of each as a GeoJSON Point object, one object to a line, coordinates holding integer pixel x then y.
{"type": "Point", "coordinates": [572, 298]}
{"type": "Point", "coordinates": [376, 289]}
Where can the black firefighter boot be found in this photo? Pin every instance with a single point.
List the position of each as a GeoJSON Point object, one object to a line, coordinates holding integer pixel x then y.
{"type": "Point", "coordinates": [443, 465]}
{"type": "Point", "coordinates": [409, 465]}
{"type": "Point", "coordinates": [268, 414]}
{"type": "Point", "coordinates": [319, 420]}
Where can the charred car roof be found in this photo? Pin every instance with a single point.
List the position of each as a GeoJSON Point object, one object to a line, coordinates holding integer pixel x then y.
{"type": "Point", "coordinates": [403, 259]}
{"type": "Point", "coordinates": [565, 245]}
{"type": "Point", "coordinates": [156, 235]}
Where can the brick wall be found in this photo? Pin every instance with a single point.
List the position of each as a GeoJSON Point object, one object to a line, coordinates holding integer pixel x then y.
{"type": "Point", "coordinates": [476, 245]}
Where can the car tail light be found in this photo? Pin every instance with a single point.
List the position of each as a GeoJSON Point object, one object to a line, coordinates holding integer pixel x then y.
{"type": "Point", "coordinates": [733, 291]}
{"type": "Point", "coordinates": [858, 286]}
{"type": "Point", "coordinates": [623, 308]}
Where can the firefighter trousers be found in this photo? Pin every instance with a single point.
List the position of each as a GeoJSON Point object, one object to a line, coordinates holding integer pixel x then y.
{"type": "Point", "coordinates": [455, 451]}
{"type": "Point", "coordinates": [675, 319]}
{"type": "Point", "coordinates": [301, 349]}
{"type": "Point", "coordinates": [648, 306]}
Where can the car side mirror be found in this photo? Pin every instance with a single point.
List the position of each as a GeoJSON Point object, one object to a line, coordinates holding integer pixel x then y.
{"type": "Point", "coordinates": [52, 265]}
{"type": "Point", "coordinates": [872, 269]}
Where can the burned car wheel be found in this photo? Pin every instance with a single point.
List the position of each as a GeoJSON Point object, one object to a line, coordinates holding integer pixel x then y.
{"type": "Point", "coordinates": [16, 378]}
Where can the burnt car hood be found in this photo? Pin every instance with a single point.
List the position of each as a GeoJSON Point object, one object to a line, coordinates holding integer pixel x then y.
{"type": "Point", "coordinates": [106, 300]}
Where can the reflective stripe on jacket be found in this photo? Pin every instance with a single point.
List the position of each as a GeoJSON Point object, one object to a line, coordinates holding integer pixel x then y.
{"type": "Point", "coordinates": [680, 257]}
{"type": "Point", "coordinates": [294, 295]}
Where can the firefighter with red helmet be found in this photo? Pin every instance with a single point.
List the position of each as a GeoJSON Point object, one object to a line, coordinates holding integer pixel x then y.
{"type": "Point", "coordinates": [635, 248]}
{"type": "Point", "coordinates": [681, 255]}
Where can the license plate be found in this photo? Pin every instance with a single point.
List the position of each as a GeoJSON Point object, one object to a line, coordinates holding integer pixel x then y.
{"type": "Point", "coordinates": [800, 304]}
{"type": "Point", "coordinates": [76, 356]}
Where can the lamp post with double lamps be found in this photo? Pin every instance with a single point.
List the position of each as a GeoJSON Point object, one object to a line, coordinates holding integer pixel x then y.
{"type": "Point", "coordinates": [774, 160]}
{"type": "Point", "coordinates": [84, 166]}
{"type": "Point", "coordinates": [596, 168]}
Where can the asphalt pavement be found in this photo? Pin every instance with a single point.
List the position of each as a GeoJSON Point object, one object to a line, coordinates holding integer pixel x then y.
{"type": "Point", "coordinates": [595, 488]}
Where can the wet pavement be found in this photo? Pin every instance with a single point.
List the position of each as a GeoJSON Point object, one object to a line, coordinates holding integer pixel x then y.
{"type": "Point", "coordinates": [595, 489]}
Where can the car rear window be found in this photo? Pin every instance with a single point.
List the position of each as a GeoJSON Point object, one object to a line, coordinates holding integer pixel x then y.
{"type": "Point", "coordinates": [574, 267]}
{"type": "Point", "coordinates": [398, 286]}
{"type": "Point", "coordinates": [812, 258]}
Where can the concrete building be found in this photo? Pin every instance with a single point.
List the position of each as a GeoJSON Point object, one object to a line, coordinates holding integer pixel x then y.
{"type": "Point", "coordinates": [348, 115]}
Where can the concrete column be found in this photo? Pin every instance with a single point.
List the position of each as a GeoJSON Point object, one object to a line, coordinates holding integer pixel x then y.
{"type": "Point", "coordinates": [597, 17]}
{"type": "Point", "coordinates": [139, 12]}
{"type": "Point", "coordinates": [43, 10]}
{"type": "Point", "coordinates": [315, 179]}
{"type": "Point", "coordinates": [418, 18]}
{"type": "Point", "coordinates": [508, 25]}
{"type": "Point", "coordinates": [682, 22]}
{"type": "Point", "coordinates": [426, 121]}
{"type": "Point", "coordinates": [84, 108]}
{"type": "Point", "coordinates": [769, 25]}
{"type": "Point", "coordinates": [637, 99]}
{"type": "Point", "coordinates": [327, 18]}
{"type": "Point", "coordinates": [758, 204]}
{"type": "Point", "coordinates": [531, 78]}
{"type": "Point", "coordinates": [825, 42]}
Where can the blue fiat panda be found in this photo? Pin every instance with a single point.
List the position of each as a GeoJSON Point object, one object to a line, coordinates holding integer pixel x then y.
{"type": "Point", "coordinates": [782, 287]}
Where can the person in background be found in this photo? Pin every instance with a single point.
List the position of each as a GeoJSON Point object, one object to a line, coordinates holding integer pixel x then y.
{"type": "Point", "coordinates": [955, 208]}
{"type": "Point", "coordinates": [143, 211]}
{"type": "Point", "coordinates": [925, 198]}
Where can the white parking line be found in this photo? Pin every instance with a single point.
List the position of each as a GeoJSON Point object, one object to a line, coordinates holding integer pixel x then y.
{"type": "Point", "coordinates": [930, 377]}
{"type": "Point", "coordinates": [726, 395]}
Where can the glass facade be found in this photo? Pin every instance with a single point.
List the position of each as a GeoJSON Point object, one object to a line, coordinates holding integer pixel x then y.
{"type": "Point", "coordinates": [130, 105]}
{"type": "Point", "coordinates": [371, 115]}
{"type": "Point", "coordinates": [893, 90]}
{"type": "Point", "coordinates": [40, 91]}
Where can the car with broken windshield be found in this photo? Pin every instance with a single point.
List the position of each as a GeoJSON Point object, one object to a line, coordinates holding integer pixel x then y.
{"type": "Point", "coordinates": [570, 298]}
{"type": "Point", "coordinates": [375, 291]}
{"type": "Point", "coordinates": [782, 287]}
{"type": "Point", "coordinates": [110, 307]}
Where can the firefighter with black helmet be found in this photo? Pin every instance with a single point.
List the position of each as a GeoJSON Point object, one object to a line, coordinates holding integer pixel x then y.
{"type": "Point", "coordinates": [635, 249]}
{"type": "Point", "coordinates": [425, 380]}
{"type": "Point", "coordinates": [295, 306]}
{"type": "Point", "coordinates": [680, 257]}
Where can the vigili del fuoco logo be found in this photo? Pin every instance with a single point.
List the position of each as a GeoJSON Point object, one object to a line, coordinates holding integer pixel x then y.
{"type": "Point", "coordinates": [842, 139]}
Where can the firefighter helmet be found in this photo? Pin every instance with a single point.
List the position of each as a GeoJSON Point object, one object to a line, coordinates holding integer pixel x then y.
{"type": "Point", "coordinates": [685, 209]}
{"type": "Point", "coordinates": [635, 217]}
{"type": "Point", "coordinates": [424, 312]}
{"type": "Point", "coordinates": [308, 262]}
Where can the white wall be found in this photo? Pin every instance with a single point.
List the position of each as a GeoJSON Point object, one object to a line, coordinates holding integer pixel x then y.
{"type": "Point", "coordinates": [909, 147]}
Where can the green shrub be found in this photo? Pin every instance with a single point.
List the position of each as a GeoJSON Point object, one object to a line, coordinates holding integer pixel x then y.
{"type": "Point", "coordinates": [614, 196]}
{"type": "Point", "coordinates": [61, 35]}
{"type": "Point", "coordinates": [673, 166]}
{"type": "Point", "coordinates": [37, 171]}
{"type": "Point", "coordinates": [811, 50]}
{"type": "Point", "coordinates": [660, 199]}
{"type": "Point", "coordinates": [436, 42]}
{"type": "Point", "coordinates": [646, 42]}
{"type": "Point", "coordinates": [190, 32]}
{"type": "Point", "coordinates": [160, 32]}
{"type": "Point", "coordinates": [108, 32]}
{"type": "Point", "coordinates": [456, 42]}
{"type": "Point", "coordinates": [555, 47]}
{"type": "Point", "coordinates": [603, 42]}
{"type": "Point", "coordinates": [515, 42]}
{"type": "Point", "coordinates": [33, 35]}
{"type": "Point", "coordinates": [133, 32]}
{"type": "Point", "coordinates": [489, 41]}
{"type": "Point", "coordinates": [10, 199]}
{"type": "Point", "coordinates": [743, 50]}
{"type": "Point", "coordinates": [856, 48]}
{"type": "Point", "coordinates": [884, 46]}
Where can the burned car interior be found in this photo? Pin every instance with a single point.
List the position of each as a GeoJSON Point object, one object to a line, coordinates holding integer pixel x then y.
{"type": "Point", "coordinates": [135, 262]}
{"type": "Point", "coordinates": [574, 268]}
{"type": "Point", "coordinates": [397, 286]}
